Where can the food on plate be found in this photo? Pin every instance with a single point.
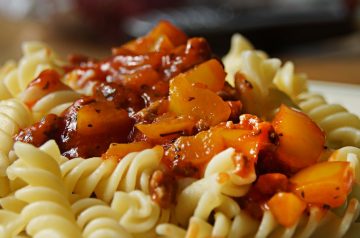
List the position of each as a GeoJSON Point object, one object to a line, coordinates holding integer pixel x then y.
{"type": "Point", "coordinates": [163, 139]}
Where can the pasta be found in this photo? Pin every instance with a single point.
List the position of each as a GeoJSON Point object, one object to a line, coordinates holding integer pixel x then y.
{"type": "Point", "coordinates": [315, 225]}
{"type": "Point", "coordinates": [203, 196]}
{"type": "Point", "coordinates": [13, 116]}
{"type": "Point", "coordinates": [262, 73]}
{"type": "Point", "coordinates": [139, 215]}
{"type": "Point", "coordinates": [289, 82]}
{"type": "Point", "coordinates": [233, 60]}
{"type": "Point", "coordinates": [4, 70]}
{"type": "Point", "coordinates": [54, 102]}
{"type": "Point", "coordinates": [342, 127]}
{"type": "Point", "coordinates": [97, 219]}
{"type": "Point", "coordinates": [151, 142]}
{"type": "Point", "coordinates": [36, 58]}
{"type": "Point", "coordinates": [105, 177]}
{"type": "Point", "coordinates": [45, 189]}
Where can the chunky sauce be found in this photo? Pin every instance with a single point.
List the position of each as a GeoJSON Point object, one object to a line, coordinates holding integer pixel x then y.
{"type": "Point", "coordinates": [162, 89]}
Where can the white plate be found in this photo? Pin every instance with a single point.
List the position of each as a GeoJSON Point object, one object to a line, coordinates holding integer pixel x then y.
{"type": "Point", "coordinates": [347, 95]}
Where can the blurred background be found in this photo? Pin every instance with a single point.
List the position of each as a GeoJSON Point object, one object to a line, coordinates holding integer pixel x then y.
{"type": "Point", "coordinates": [322, 37]}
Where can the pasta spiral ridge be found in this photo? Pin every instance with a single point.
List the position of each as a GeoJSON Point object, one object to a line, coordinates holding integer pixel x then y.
{"type": "Point", "coordinates": [11, 223]}
{"type": "Point", "coordinates": [104, 177]}
{"type": "Point", "coordinates": [214, 190]}
{"type": "Point", "coordinates": [37, 57]}
{"type": "Point", "coordinates": [4, 70]}
{"type": "Point", "coordinates": [139, 215]}
{"type": "Point", "coordinates": [14, 115]}
{"type": "Point", "coordinates": [289, 82]}
{"type": "Point", "coordinates": [97, 219]}
{"type": "Point", "coordinates": [342, 128]}
{"type": "Point", "coordinates": [318, 223]}
{"type": "Point", "coordinates": [256, 88]}
{"type": "Point", "coordinates": [47, 212]}
{"type": "Point", "coordinates": [232, 60]}
{"type": "Point", "coordinates": [55, 103]}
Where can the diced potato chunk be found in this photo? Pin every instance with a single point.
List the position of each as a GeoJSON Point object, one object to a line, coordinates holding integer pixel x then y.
{"type": "Point", "coordinates": [301, 141]}
{"type": "Point", "coordinates": [101, 118]}
{"type": "Point", "coordinates": [210, 73]}
{"type": "Point", "coordinates": [196, 102]}
{"type": "Point", "coordinates": [287, 208]}
{"type": "Point", "coordinates": [327, 183]}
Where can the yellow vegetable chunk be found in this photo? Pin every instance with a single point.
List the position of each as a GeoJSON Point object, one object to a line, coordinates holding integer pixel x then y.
{"type": "Point", "coordinates": [327, 183]}
{"type": "Point", "coordinates": [199, 103]}
{"type": "Point", "coordinates": [287, 208]}
{"type": "Point", "coordinates": [210, 73]}
{"type": "Point", "coordinates": [301, 141]}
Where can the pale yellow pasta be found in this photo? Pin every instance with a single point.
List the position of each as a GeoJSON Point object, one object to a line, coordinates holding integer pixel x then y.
{"type": "Point", "coordinates": [289, 82]}
{"type": "Point", "coordinates": [139, 215]}
{"type": "Point", "coordinates": [261, 96]}
{"type": "Point", "coordinates": [11, 203]}
{"type": "Point", "coordinates": [48, 211]}
{"type": "Point", "coordinates": [10, 223]}
{"type": "Point", "coordinates": [37, 57]}
{"type": "Point", "coordinates": [212, 193]}
{"type": "Point", "coordinates": [104, 177]}
{"type": "Point", "coordinates": [14, 115]}
{"type": "Point", "coordinates": [97, 219]}
{"type": "Point", "coordinates": [232, 60]}
{"type": "Point", "coordinates": [55, 102]}
{"type": "Point", "coordinates": [4, 70]}
{"type": "Point", "coordinates": [317, 224]}
{"type": "Point", "coordinates": [258, 71]}
{"type": "Point", "coordinates": [14, 80]}
{"type": "Point", "coordinates": [342, 128]}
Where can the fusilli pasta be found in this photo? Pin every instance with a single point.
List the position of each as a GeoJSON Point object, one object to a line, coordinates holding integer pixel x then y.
{"type": "Point", "coordinates": [14, 115]}
{"type": "Point", "coordinates": [318, 223]}
{"type": "Point", "coordinates": [97, 219]}
{"type": "Point", "coordinates": [212, 192]}
{"type": "Point", "coordinates": [36, 57]}
{"type": "Point", "coordinates": [342, 127]}
{"type": "Point", "coordinates": [104, 177]}
{"type": "Point", "coordinates": [48, 211]}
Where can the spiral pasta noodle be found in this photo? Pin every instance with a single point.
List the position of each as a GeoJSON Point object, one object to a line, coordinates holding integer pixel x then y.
{"type": "Point", "coordinates": [55, 103]}
{"type": "Point", "coordinates": [97, 219]}
{"type": "Point", "coordinates": [318, 224]}
{"type": "Point", "coordinates": [48, 211]}
{"type": "Point", "coordinates": [14, 115]}
{"type": "Point", "coordinates": [104, 177]}
{"type": "Point", "coordinates": [341, 127]}
{"type": "Point", "coordinates": [37, 57]}
{"type": "Point", "coordinates": [212, 192]}
{"type": "Point", "coordinates": [232, 60]}
{"type": "Point", "coordinates": [139, 215]}
{"type": "Point", "coordinates": [4, 70]}
{"type": "Point", "coordinates": [289, 82]}
{"type": "Point", "coordinates": [258, 91]}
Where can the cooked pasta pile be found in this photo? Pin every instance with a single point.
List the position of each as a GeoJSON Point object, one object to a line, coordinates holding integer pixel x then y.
{"type": "Point", "coordinates": [162, 139]}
